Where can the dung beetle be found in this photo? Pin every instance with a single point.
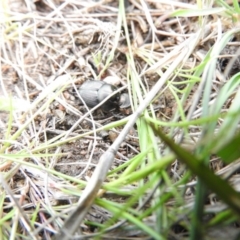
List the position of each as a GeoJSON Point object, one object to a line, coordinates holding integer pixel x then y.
{"type": "Point", "coordinates": [93, 92]}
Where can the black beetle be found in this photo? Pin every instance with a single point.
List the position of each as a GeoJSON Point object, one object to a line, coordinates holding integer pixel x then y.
{"type": "Point", "coordinates": [93, 92]}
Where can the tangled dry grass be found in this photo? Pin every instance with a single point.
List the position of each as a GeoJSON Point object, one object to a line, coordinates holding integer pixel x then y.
{"type": "Point", "coordinates": [158, 52]}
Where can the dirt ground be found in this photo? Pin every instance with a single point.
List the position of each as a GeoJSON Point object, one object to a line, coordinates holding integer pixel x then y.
{"type": "Point", "coordinates": [67, 45]}
{"type": "Point", "coordinates": [50, 48]}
